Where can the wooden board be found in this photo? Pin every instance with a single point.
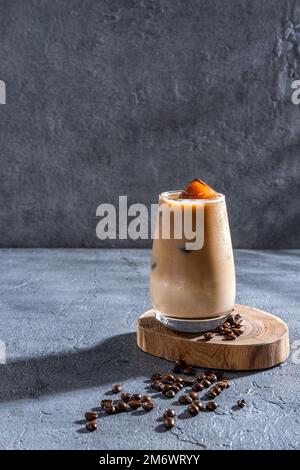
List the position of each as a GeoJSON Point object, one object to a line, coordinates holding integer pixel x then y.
{"type": "Point", "coordinates": [264, 343]}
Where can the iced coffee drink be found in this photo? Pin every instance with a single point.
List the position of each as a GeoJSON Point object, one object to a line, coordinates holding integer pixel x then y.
{"type": "Point", "coordinates": [193, 287]}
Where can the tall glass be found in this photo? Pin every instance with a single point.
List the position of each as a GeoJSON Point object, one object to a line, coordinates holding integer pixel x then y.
{"type": "Point", "coordinates": [193, 290]}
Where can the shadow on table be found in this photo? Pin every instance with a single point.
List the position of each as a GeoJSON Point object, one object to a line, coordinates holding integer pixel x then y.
{"type": "Point", "coordinates": [116, 359]}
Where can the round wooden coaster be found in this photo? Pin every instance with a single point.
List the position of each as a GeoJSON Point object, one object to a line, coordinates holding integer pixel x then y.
{"type": "Point", "coordinates": [264, 343]}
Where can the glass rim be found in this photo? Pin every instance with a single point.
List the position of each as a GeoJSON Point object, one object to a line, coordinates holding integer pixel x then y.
{"type": "Point", "coordinates": [166, 196]}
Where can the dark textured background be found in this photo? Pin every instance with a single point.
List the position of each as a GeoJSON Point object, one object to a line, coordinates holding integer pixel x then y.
{"type": "Point", "coordinates": [134, 97]}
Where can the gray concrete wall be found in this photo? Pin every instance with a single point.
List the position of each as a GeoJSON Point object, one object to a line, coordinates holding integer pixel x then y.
{"type": "Point", "coordinates": [109, 97]}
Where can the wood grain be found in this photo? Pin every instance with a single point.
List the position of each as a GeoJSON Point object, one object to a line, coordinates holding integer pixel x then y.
{"type": "Point", "coordinates": [264, 343]}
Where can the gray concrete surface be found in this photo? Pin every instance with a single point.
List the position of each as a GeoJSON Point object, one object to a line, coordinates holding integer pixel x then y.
{"type": "Point", "coordinates": [109, 97]}
{"type": "Point", "coordinates": [68, 323]}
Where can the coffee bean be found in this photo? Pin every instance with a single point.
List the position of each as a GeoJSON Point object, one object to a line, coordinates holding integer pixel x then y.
{"type": "Point", "coordinates": [169, 412]}
{"type": "Point", "coordinates": [212, 394]}
{"type": "Point", "coordinates": [188, 380]}
{"type": "Point", "coordinates": [153, 265]}
{"type": "Point", "coordinates": [206, 383]}
{"type": "Point", "coordinates": [126, 396]}
{"type": "Point", "coordinates": [211, 406]}
{"type": "Point", "coordinates": [136, 396]}
{"type": "Point", "coordinates": [168, 378]}
{"type": "Point", "coordinates": [146, 398]}
{"type": "Point", "coordinates": [199, 404]}
{"type": "Point", "coordinates": [170, 393]}
{"type": "Point", "coordinates": [179, 365]}
{"type": "Point", "coordinates": [148, 405]}
{"type": "Point", "coordinates": [91, 426]}
{"type": "Point", "coordinates": [156, 376]}
{"type": "Point", "coordinates": [237, 331]}
{"type": "Point", "coordinates": [178, 379]}
{"type": "Point", "coordinates": [212, 377]}
{"type": "Point", "coordinates": [91, 415]}
{"type": "Point", "coordinates": [157, 385]}
{"type": "Point", "coordinates": [217, 389]}
{"type": "Point", "coordinates": [121, 407]}
{"type": "Point", "coordinates": [202, 376]}
{"type": "Point", "coordinates": [176, 388]}
{"type": "Point", "coordinates": [227, 331]}
{"type": "Point", "coordinates": [193, 395]}
{"type": "Point", "coordinates": [169, 422]}
{"type": "Point", "coordinates": [185, 399]}
{"type": "Point", "coordinates": [179, 385]}
{"type": "Point", "coordinates": [189, 370]}
{"type": "Point", "coordinates": [230, 337]}
{"type": "Point", "coordinates": [116, 388]}
{"type": "Point", "coordinates": [105, 402]}
{"type": "Point", "coordinates": [193, 409]}
{"type": "Point", "coordinates": [134, 404]}
{"type": "Point", "coordinates": [241, 403]}
{"type": "Point", "coordinates": [166, 388]}
{"type": "Point", "coordinates": [110, 409]}
{"type": "Point", "coordinates": [208, 336]}
{"type": "Point", "coordinates": [198, 387]}
{"type": "Point", "coordinates": [223, 384]}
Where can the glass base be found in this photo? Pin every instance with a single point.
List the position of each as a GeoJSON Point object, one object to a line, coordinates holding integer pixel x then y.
{"type": "Point", "coordinates": [192, 326]}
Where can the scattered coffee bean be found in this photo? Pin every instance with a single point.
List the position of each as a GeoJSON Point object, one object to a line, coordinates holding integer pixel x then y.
{"type": "Point", "coordinates": [148, 405]}
{"type": "Point", "coordinates": [208, 336]}
{"type": "Point", "coordinates": [230, 337]}
{"type": "Point", "coordinates": [237, 331]}
{"type": "Point", "coordinates": [198, 387]}
{"type": "Point", "coordinates": [193, 409]}
{"type": "Point", "coordinates": [116, 388]}
{"type": "Point", "coordinates": [223, 384]}
{"type": "Point", "coordinates": [176, 388]}
{"type": "Point", "coordinates": [91, 415]}
{"type": "Point", "coordinates": [168, 378]}
{"type": "Point", "coordinates": [136, 396]}
{"type": "Point", "coordinates": [199, 404]}
{"type": "Point", "coordinates": [105, 403]}
{"type": "Point", "coordinates": [185, 399]}
{"type": "Point", "coordinates": [134, 404]}
{"type": "Point", "coordinates": [156, 376]}
{"type": "Point", "coordinates": [241, 403]}
{"type": "Point", "coordinates": [146, 398]}
{"type": "Point", "coordinates": [153, 265]}
{"type": "Point", "coordinates": [189, 370]}
{"type": "Point", "coordinates": [169, 412]}
{"type": "Point", "coordinates": [179, 379]}
{"type": "Point", "coordinates": [189, 380]}
{"type": "Point", "coordinates": [126, 396]}
{"type": "Point", "coordinates": [206, 383]}
{"type": "Point", "coordinates": [110, 409]}
{"type": "Point", "coordinates": [157, 385]}
{"type": "Point", "coordinates": [193, 395]}
{"type": "Point", "coordinates": [170, 393]}
{"type": "Point", "coordinates": [212, 377]}
{"type": "Point", "coordinates": [201, 377]}
{"type": "Point", "coordinates": [166, 388]}
{"type": "Point", "coordinates": [121, 406]}
{"type": "Point", "coordinates": [211, 406]}
{"type": "Point", "coordinates": [91, 425]}
{"type": "Point", "coordinates": [179, 365]}
{"type": "Point", "coordinates": [169, 422]}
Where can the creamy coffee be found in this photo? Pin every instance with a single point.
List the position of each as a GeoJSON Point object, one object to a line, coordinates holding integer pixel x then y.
{"type": "Point", "coordinates": [194, 284]}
